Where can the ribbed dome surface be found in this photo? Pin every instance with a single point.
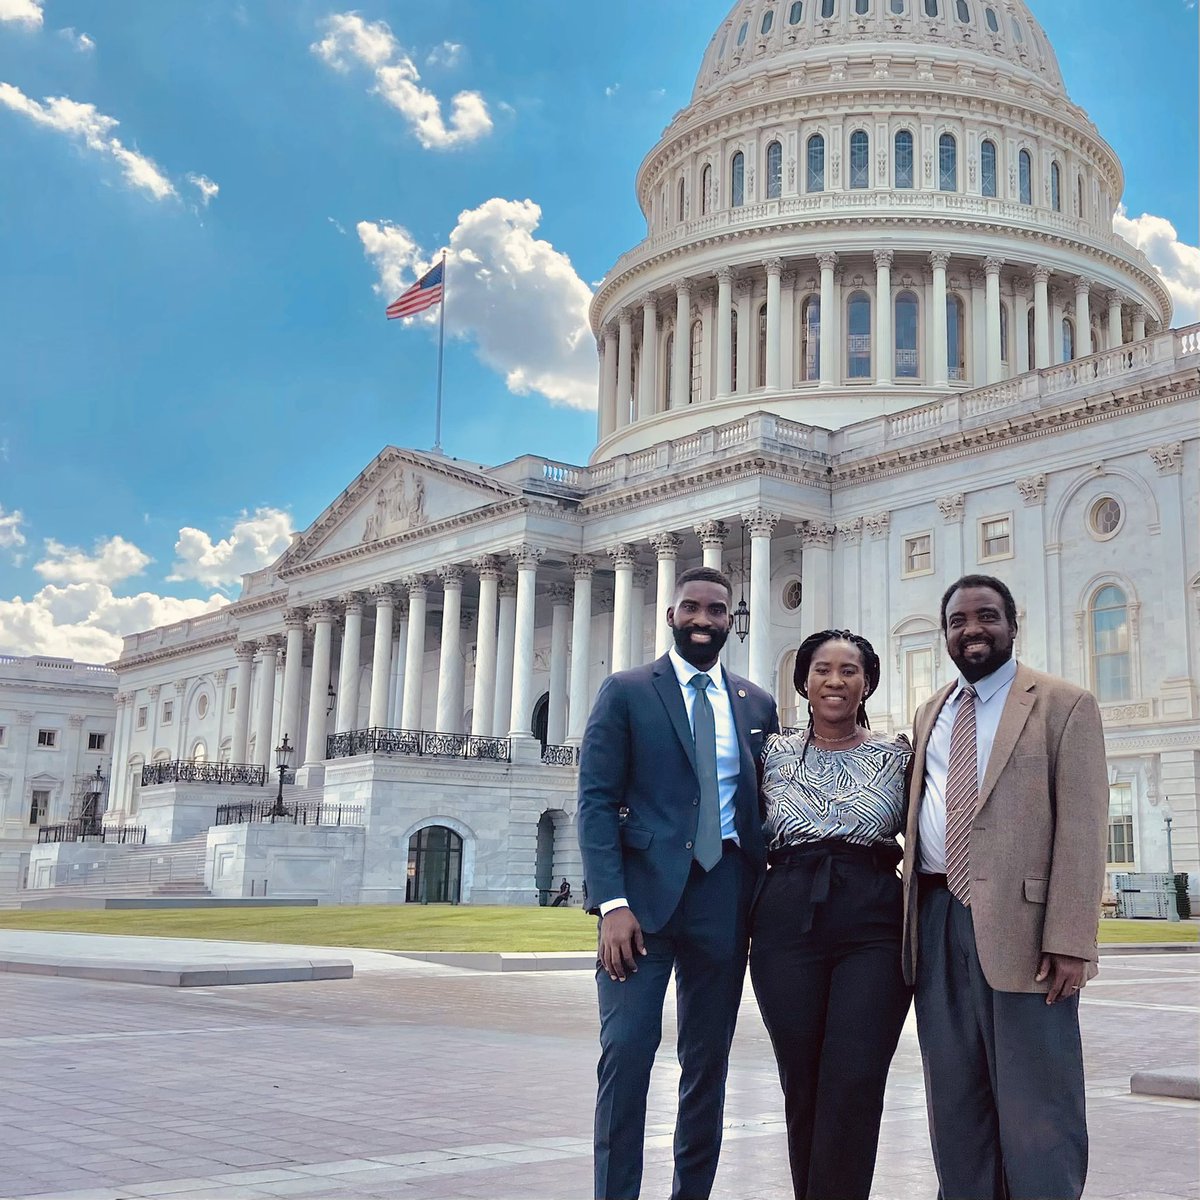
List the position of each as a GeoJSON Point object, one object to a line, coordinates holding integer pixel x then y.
{"type": "Point", "coordinates": [769, 35]}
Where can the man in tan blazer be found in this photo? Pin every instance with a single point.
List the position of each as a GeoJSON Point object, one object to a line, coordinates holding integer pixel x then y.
{"type": "Point", "coordinates": [1003, 872]}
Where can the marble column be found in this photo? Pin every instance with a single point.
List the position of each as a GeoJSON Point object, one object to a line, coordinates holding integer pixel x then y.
{"type": "Point", "coordinates": [560, 624]}
{"type": "Point", "coordinates": [1139, 322]}
{"type": "Point", "coordinates": [244, 653]}
{"type": "Point", "coordinates": [624, 558]}
{"type": "Point", "coordinates": [581, 648]}
{"type": "Point", "coordinates": [506, 633]}
{"type": "Point", "coordinates": [939, 260]}
{"type": "Point", "coordinates": [816, 573]}
{"type": "Point", "coordinates": [712, 535]}
{"type": "Point", "coordinates": [318, 683]}
{"type": "Point", "coordinates": [1083, 317]}
{"type": "Point", "coordinates": [526, 559]}
{"type": "Point", "coordinates": [293, 676]}
{"type": "Point", "coordinates": [637, 615]}
{"type": "Point", "coordinates": [483, 695]}
{"type": "Point", "coordinates": [884, 342]}
{"type": "Point", "coordinates": [450, 692]}
{"type": "Point", "coordinates": [269, 646]}
{"type": "Point", "coordinates": [681, 376]}
{"type": "Point", "coordinates": [724, 331]}
{"type": "Point", "coordinates": [666, 550]}
{"type": "Point", "coordinates": [1115, 331]}
{"type": "Point", "coordinates": [829, 373]}
{"type": "Point", "coordinates": [381, 655]}
{"type": "Point", "coordinates": [647, 380]}
{"type": "Point", "coordinates": [608, 383]}
{"type": "Point", "coordinates": [348, 667]}
{"type": "Point", "coordinates": [624, 367]}
{"type": "Point", "coordinates": [1041, 317]}
{"type": "Point", "coordinates": [399, 652]}
{"type": "Point", "coordinates": [774, 268]}
{"type": "Point", "coordinates": [991, 268]}
{"type": "Point", "coordinates": [760, 524]}
{"type": "Point", "coordinates": [414, 652]}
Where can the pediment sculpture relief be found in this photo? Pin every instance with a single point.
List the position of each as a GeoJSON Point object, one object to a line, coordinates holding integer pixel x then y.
{"type": "Point", "coordinates": [399, 505]}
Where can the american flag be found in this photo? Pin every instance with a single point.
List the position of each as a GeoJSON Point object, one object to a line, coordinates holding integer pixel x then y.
{"type": "Point", "coordinates": [423, 294]}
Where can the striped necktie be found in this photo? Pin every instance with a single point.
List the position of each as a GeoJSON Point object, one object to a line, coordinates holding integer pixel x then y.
{"type": "Point", "coordinates": [962, 792]}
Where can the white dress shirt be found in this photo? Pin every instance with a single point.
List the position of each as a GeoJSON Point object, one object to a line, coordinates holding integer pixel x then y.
{"type": "Point", "coordinates": [729, 758]}
{"type": "Point", "coordinates": [990, 694]}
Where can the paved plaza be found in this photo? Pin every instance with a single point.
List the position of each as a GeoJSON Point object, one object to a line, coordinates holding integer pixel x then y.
{"type": "Point", "coordinates": [421, 1081]}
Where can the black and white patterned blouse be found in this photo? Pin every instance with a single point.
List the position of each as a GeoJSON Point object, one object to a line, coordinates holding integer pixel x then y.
{"type": "Point", "coordinates": [854, 795]}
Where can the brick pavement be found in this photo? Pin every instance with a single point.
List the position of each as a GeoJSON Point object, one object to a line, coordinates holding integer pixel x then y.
{"type": "Point", "coordinates": [440, 1085]}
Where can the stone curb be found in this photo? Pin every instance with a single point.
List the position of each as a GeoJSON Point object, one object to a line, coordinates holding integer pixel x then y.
{"type": "Point", "coordinates": [1181, 1083]}
{"type": "Point", "coordinates": [1151, 948]}
{"type": "Point", "coordinates": [165, 974]}
{"type": "Point", "coordinates": [486, 961]}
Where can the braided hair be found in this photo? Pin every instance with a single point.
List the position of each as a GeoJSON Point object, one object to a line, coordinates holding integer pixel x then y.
{"type": "Point", "coordinates": [872, 670]}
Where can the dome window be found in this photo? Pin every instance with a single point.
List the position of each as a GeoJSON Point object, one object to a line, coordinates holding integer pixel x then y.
{"type": "Point", "coordinates": [737, 180]}
{"type": "Point", "coordinates": [745, 29]}
{"type": "Point", "coordinates": [828, 8]}
{"type": "Point", "coordinates": [761, 373]}
{"type": "Point", "coordinates": [796, 12]}
{"type": "Point", "coordinates": [696, 363]}
{"type": "Point", "coordinates": [705, 187]}
{"type": "Point", "coordinates": [931, 8]}
{"type": "Point", "coordinates": [1026, 176]}
{"type": "Point", "coordinates": [860, 159]}
{"type": "Point", "coordinates": [733, 350]}
{"type": "Point", "coordinates": [1079, 195]}
{"type": "Point", "coordinates": [862, 8]}
{"type": "Point", "coordinates": [774, 171]}
{"type": "Point", "coordinates": [1056, 187]}
{"type": "Point", "coordinates": [668, 366]}
{"type": "Point", "coordinates": [816, 164]}
{"type": "Point", "coordinates": [1018, 32]}
{"type": "Point", "coordinates": [1004, 334]}
{"type": "Point", "coordinates": [1068, 339]}
{"type": "Point", "coordinates": [987, 167]}
{"type": "Point", "coordinates": [858, 336]}
{"type": "Point", "coordinates": [956, 350]}
{"type": "Point", "coordinates": [681, 208]}
{"type": "Point", "coordinates": [904, 159]}
{"type": "Point", "coordinates": [947, 163]}
{"type": "Point", "coordinates": [897, 7]}
{"type": "Point", "coordinates": [810, 337]}
{"type": "Point", "coordinates": [993, 22]}
{"type": "Point", "coordinates": [908, 360]}
{"type": "Point", "coordinates": [767, 21]}
{"type": "Point", "coordinates": [963, 10]}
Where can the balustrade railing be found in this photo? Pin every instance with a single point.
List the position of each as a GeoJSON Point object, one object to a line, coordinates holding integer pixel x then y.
{"type": "Point", "coordinates": [306, 812]}
{"type": "Point", "coordinates": [204, 772]}
{"type": "Point", "coordinates": [560, 756]}
{"type": "Point", "coordinates": [421, 742]}
{"type": "Point", "coordinates": [87, 831]}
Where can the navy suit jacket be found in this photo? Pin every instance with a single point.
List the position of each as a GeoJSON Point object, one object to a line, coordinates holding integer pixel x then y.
{"type": "Point", "coordinates": [638, 755]}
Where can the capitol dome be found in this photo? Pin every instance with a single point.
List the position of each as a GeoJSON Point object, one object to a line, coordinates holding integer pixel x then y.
{"type": "Point", "coordinates": [868, 206]}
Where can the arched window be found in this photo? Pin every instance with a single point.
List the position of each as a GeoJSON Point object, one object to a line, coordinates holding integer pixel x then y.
{"type": "Point", "coordinates": [897, 6]}
{"type": "Point", "coordinates": [828, 8]}
{"type": "Point", "coordinates": [1068, 339]}
{"type": "Point", "coordinates": [774, 171]}
{"type": "Point", "coordinates": [705, 186]}
{"type": "Point", "coordinates": [904, 158]}
{"type": "Point", "coordinates": [1079, 195]}
{"type": "Point", "coordinates": [743, 29]}
{"type": "Point", "coordinates": [816, 163]}
{"type": "Point", "coordinates": [987, 167]}
{"type": "Point", "coordinates": [947, 163]}
{"type": "Point", "coordinates": [1003, 334]}
{"type": "Point", "coordinates": [737, 180]}
{"type": "Point", "coordinates": [858, 336]}
{"type": "Point", "coordinates": [1018, 33]}
{"type": "Point", "coordinates": [810, 339]}
{"type": "Point", "coordinates": [1026, 176]}
{"type": "Point", "coordinates": [860, 159]}
{"type": "Point", "coordinates": [931, 8]}
{"type": "Point", "coordinates": [761, 373]}
{"type": "Point", "coordinates": [993, 22]}
{"type": "Point", "coordinates": [956, 350]}
{"type": "Point", "coordinates": [668, 366]}
{"type": "Point", "coordinates": [733, 350]}
{"type": "Point", "coordinates": [696, 363]}
{"type": "Point", "coordinates": [434, 866]}
{"type": "Point", "coordinates": [862, 7]}
{"type": "Point", "coordinates": [908, 359]}
{"type": "Point", "coordinates": [1030, 337]}
{"type": "Point", "coordinates": [199, 753]}
{"type": "Point", "coordinates": [682, 200]}
{"type": "Point", "coordinates": [963, 10]}
{"type": "Point", "coordinates": [767, 21]}
{"type": "Point", "coordinates": [796, 12]}
{"type": "Point", "coordinates": [1055, 187]}
{"type": "Point", "coordinates": [1111, 674]}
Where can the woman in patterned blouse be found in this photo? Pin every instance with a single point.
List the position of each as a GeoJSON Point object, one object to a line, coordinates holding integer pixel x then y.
{"type": "Point", "coordinates": [825, 949]}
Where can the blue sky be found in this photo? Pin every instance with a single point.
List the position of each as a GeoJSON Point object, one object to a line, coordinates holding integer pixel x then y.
{"type": "Point", "coordinates": [193, 353]}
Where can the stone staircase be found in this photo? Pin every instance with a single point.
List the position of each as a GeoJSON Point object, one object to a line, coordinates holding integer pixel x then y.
{"type": "Point", "coordinates": [140, 871]}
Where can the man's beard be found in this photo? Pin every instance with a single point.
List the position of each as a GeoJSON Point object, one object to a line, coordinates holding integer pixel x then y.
{"type": "Point", "coordinates": [699, 652]}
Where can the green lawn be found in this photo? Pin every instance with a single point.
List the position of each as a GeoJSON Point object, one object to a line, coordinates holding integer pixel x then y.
{"type": "Point", "coordinates": [416, 927]}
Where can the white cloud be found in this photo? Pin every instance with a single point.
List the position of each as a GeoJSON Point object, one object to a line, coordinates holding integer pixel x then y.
{"type": "Point", "coordinates": [1176, 261]}
{"type": "Point", "coordinates": [349, 38]}
{"type": "Point", "coordinates": [86, 621]}
{"type": "Point", "coordinates": [255, 540]}
{"type": "Point", "coordinates": [612, 89]}
{"type": "Point", "coordinates": [112, 560]}
{"type": "Point", "coordinates": [448, 54]}
{"type": "Point", "coordinates": [27, 12]}
{"type": "Point", "coordinates": [94, 129]}
{"type": "Point", "coordinates": [514, 295]}
{"type": "Point", "coordinates": [10, 529]}
{"type": "Point", "coordinates": [80, 41]}
{"type": "Point", "coordinates": [205, 186]}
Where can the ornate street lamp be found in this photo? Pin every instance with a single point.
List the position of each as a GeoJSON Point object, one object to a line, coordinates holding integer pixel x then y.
{"type": "Point", "coordinates": [91, 813]}
{"type": "Point", "coordinates": [283, 756]}
{"type": "Point", "coordinates": [1172, 895]}
{"type": "Point", "coordinates": [741, 614]}
{"type": "Point", "coordinates": [331, 695]}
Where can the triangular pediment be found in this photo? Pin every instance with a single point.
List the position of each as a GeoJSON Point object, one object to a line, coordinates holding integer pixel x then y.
{"type": "Point", "coordinates": [401, 493]}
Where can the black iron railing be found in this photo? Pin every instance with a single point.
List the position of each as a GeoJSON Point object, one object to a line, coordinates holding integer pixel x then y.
{"type": "Point", "coordinates": [76, 831]}
{"type": "Point", "coordinates": [421, 742]}
{"type": "Point", "coordinates": [203, 772]}
{"type": "Point", "coordinates": [560, 756]}
{"type": "Point", "coordinates": [308, 812]}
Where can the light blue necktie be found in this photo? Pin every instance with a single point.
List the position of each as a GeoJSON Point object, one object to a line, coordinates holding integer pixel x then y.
{"type": "Point", "coordinates": [707, 847]}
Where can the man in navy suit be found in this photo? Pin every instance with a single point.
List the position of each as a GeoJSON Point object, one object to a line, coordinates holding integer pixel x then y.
{"type": "Point", "coordinates": [673, 849]}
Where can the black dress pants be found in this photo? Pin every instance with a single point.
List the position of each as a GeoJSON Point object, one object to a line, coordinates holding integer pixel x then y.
{"type": "Point", "coordinates": [825, 964]}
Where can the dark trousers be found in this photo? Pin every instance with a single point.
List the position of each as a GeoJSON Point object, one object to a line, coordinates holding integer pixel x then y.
{"type": "Point", "coordinates": [705, 943]}
{"type": "Point", "coordinates": [1003, 1072]}
{"type": "Point", "coordinates": [825, 963]}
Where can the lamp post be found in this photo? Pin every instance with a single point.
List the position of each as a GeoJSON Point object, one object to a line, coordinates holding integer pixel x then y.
{"type": "Point", "coordinates": [283, 756]}
{"type": "Point", "coordinates": [91, 817]}
{"type": "Point", "coordinates": [1172, 896]}
{"type": "Point", "coordinates": [741, 614]}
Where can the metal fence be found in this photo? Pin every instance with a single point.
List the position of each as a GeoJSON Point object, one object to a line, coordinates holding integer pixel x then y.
{"type": "Point", "coordinates": [307, 812]}
{"type": "Point", "coordinates": [86, 831]}
{"type": "Point", "coordinates": [560, 756]}
{"type": "Point", "coordinates": [421, 742]}
{"type": "Point", "coordinates": [203, 772]}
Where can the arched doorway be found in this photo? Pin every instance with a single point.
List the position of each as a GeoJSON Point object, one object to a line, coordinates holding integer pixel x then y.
{"type": "Point", "coordinates": [434, 866]}
{"type": "Point", "coordinates": [557, 856]}
{"type": "Point", "coordinates": [541, 718]}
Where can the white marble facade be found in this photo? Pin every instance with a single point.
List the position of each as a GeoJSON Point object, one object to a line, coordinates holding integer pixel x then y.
{"type": "Point", "coordinates": [996, 388]}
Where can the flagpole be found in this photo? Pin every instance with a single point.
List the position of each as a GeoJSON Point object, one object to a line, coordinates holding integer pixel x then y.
{"type": "Point", "coordinates": [437, 428]}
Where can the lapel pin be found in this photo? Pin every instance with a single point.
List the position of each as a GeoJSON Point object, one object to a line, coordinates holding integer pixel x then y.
{"type": "Point", "coordinates": [742, 693]}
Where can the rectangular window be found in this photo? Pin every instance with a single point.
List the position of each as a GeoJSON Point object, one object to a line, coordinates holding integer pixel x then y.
{"type": "Point", "coordinates": [47, 738]}
{"type": "Point", "coordinates": [39, 806]}
{"type": "Point", "coordinates": [142, 717]}
{"type": "Point", "coordinates": [1, 735]}
{"type": "Point", "coordinates": [918, 679]}
{"type": "Point", "coordinates": [995, 538]}
{"type": "Point", "coordinates": [233, 690]}
{"type": "Point", "coordinates": [918, 554]}
{"type": "Point", "coordinates": [1120, 825]}
{"type": "Point", "coordinates": [96, 741]}
{"type": "Point", "coordinates": [168, 711]}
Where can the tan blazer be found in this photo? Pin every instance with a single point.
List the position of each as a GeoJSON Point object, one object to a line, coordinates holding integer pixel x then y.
{"type": "Point", "coordinates": [1038, 842]}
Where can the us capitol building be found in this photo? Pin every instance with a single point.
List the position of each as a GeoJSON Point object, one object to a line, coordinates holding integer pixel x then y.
{"type": "Point", "coordinates": [879, 333]}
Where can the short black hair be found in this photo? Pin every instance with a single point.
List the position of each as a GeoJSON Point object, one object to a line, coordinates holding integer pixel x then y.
{"type": "Point", "coordinates": [986, 581]}
{"type": "Point", "coordinates": [704, 575]}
